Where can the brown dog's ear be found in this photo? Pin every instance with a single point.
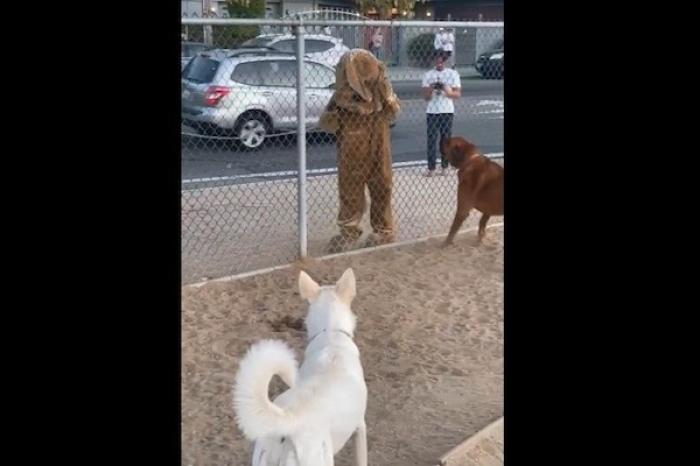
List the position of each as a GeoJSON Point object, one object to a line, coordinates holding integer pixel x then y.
{"type": "Point", "coordinates": [453, 150]}
{"type": "Point", "coordinates": [457, 154]}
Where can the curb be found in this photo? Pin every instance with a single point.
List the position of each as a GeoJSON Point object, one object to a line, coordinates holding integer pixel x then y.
{"type": "Point", "coordinates": [460, 455]}
{"type": "Point", "coordinates": [353, 252]}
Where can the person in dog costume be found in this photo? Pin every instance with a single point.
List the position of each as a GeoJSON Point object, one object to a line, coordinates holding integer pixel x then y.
{"type": "Point", "coordinates": [359, 114]}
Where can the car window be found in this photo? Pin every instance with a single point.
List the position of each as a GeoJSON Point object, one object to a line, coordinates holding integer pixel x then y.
{"type": "Point", "coordinates": [278, 73]}
{"type": "Point", "coordinates": [201, 69]}
{"type": "Point", "coordinates": [256, 42]}
{"type": "Point", "coordinates": [286, 45]}
{"type": "Point", "coordinates": [315, 45]}
{"type": "Point", "coordinates": [190, 50]}
{"type": "Point", "coordinates": [318, 76]}
{"type": "Point", "coordinates": [196, 48]}
{"type": "Point", "coordinates": [249, 73]}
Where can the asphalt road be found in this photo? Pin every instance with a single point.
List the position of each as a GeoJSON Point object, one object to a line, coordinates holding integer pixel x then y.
{"type": "Point", "coordinates": [478, 116]}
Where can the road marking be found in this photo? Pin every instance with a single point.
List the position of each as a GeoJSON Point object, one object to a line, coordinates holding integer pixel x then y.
{"type": "Point", "coordinates": [496, 103]}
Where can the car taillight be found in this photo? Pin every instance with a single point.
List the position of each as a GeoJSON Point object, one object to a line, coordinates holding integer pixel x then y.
{"type": "Point", "coordinates": [215, 93]}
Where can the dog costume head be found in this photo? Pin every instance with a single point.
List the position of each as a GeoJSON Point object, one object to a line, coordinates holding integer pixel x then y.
{"type": "Point", "coordinates": [362, 87]}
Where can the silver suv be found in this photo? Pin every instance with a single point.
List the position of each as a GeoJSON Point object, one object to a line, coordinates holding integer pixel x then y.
{"type": "Point", "coordinates": [251, 97]}
{"type": "Point", "coordinates": [320, 48]}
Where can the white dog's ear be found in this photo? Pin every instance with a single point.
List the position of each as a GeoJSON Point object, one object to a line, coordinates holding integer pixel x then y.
{"type": "Point", "coordinates": [308, 288]}
{"type": "Point", "coordinates": [345, 288]}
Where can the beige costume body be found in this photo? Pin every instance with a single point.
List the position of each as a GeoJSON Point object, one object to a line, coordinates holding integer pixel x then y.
{"type": "Point", "coordinates": [360, 113]}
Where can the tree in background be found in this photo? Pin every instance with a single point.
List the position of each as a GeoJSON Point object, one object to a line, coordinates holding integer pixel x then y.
{"type": "Point", "coordinates": [232, 36]}
{"type": "Point", "coordinates": [246, 8]}
{"type": "Point", "coordinates": [383, 7]}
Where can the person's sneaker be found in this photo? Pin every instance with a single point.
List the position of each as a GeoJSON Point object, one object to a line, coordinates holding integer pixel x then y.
{"type": "Point", "coordinates": [429, 173]}
{"type": "Point", "coordinates": [443, 171]}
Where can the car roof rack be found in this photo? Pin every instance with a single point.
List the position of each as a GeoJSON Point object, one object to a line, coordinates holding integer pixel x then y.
{"type": "Point", "coordinates": [238, 53]}
{"type": "Point", "coordinates": [246, 52]}
{"type": "Point", "coordinates": [261, 53]}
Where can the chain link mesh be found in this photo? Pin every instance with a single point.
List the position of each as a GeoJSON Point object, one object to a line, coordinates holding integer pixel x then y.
{"type": "Point", "coordinates": [366, 164]}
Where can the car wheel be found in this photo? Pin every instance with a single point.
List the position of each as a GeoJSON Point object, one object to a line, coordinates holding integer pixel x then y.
{"type": "Point", "coordinates": [252, 129]}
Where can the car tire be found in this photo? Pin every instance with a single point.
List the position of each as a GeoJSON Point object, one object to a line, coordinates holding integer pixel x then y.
{"type": "Point", "coordinates": [252, 129]}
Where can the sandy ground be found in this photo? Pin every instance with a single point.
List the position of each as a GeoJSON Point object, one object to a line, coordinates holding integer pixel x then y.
{"type": "Point", "coordinates": [430, 333]}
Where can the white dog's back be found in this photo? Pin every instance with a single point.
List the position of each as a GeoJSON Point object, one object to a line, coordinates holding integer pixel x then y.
{"type": "Point", "coordinates": [325, 404]}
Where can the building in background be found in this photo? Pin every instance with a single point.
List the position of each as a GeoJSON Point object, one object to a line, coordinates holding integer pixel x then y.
{"type": "Point", "coordinates": [438, 10]}
{"type": "Point", "coordinates": [459, 10]}
{"type": "Point", "coordinates": [273, 8]}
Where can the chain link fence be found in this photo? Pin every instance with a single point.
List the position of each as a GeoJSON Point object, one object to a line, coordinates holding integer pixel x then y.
{"type": "Point", "coordinates": [260, 189]}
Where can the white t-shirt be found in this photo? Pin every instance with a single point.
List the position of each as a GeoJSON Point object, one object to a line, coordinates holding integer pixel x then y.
{"type": "Point", "coordinates": [440, 103]}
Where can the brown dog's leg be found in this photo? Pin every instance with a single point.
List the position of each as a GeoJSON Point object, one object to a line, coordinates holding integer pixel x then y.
{"type": "Point", "coordinates": [464, 205]}
{"type": "Point", "coordinates": [482, 226]}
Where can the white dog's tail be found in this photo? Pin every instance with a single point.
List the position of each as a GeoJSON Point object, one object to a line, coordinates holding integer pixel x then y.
{"type": "Point", "coordinates": [256, 415]}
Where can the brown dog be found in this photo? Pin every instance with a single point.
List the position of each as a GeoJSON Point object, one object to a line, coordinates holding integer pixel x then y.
{"type": "Point", "coordinates": [480, 184]}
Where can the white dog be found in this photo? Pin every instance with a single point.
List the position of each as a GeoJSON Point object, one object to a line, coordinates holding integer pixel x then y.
{"type": "Point", "coordinates": [326, 402]}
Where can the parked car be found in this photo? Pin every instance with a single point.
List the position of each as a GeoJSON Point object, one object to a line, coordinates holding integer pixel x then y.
{"type": "Point", "coordinates": [189, 50]}
{"type": "Point", "coordinates": [319, 47]}
{"type": "Point", "coordinates": [251, 96]}
{"type": "Point", "coordinates": [490, 64]}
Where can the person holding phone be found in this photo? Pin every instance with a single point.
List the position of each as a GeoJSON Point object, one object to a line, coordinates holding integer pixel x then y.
{"type": "Point", "coordinates": [441, 86]}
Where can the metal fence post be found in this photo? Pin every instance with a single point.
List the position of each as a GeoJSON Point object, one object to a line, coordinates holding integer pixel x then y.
{"type": "Point", "coordinates": [301, 141]}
